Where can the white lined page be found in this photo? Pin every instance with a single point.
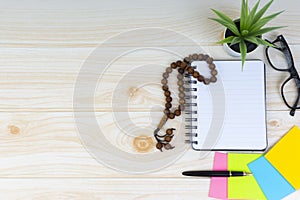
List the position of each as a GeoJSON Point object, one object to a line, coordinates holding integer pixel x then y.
{"type": "Point", "coordinates": [243, 99]}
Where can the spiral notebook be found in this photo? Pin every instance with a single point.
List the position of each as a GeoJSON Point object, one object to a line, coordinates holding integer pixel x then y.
{"type": "Point", "coordinates": [231, 113]}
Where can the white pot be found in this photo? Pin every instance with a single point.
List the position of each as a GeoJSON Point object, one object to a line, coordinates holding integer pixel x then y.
{"type": "Point", "coordinates": [231, 51]}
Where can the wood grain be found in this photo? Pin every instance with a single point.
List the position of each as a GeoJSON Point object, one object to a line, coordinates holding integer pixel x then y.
{"type": "Point", "coordinates": [33, 82]}
{"type": "Point", "coordinates": [47, 144]}
{"type": "Point", "coordinates": [88, 23]}
{"type": "Point", "coordinates": [43, 48]}
{"type": "Point", "coordinates": [93, 188]}
{"type": "Point", "coordinates": [75, 188]}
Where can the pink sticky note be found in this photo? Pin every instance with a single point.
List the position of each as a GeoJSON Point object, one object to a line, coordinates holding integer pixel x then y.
{"type": "Point", "coordinates": [219, 185]}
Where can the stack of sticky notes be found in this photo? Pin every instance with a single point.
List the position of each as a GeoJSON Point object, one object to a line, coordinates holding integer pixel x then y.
{"type": "Point", "coordinates": [244, 187]}
{"type": "Point", "coordinates": [278, 171]}
{"type": "Point", "coordinates": [275, 174]}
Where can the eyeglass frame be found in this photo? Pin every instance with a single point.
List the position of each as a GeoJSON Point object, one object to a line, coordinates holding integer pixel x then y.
{"type": "Point", "coordinates": [291, 69]}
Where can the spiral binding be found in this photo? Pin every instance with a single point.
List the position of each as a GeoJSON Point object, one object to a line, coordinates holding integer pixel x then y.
{"type": "Point", "coordinates": [190, 110]}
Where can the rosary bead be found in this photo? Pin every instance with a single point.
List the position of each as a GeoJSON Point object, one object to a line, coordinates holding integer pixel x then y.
{"type": "Point", "coordinates": [169, 70]}
{"type": "Point", "coordinates": [178, 63]}
{"type": "Point", "coordinates": [214, 72]}
{"type": "Point", "coordinates": [213, 79]}
{"type": "Point", "coordinates": [200, 56]}
{"type": "Point", "coordinates": [181, 89]}
{"type": "Point", "coordinates": [187, 59]}
{"type": "Point", "coordinates": [205, 57]}
{"type": "Point", "coordinates": [209, 60]}
{"type": "Point", "coordinates": [168, 146]}
{"type": "Point", "coordinates": [167, 111]}
{"type": "Point", "coordinates": [181, 107]}
{"type": "Point", "coordinates": [181, 101]}
{"type": "Point", "coordinates": [164, 81]}
{"type": "Point", "coordinates": [196, 74]}
{"type": "Point", "coordinates": [168, 138]}
{"type": "Point", "coordinates": [168, 105]}
{"type": "Point", "coordinates": [212, 66]}
{"type": "Point", "coordinates": [171, 116]}
{"type": "Point", "coordinates": [180, 83]}
{"type": "Point", "coordinates": [159, 145]}
{"type": "Point", "coordinates": [168, 99]}
{"type": "Point", "coordinates": [167, 93]}
{"type": "Point", "coordinates": [200, 78]}
{"type": "Point", "coordinates": [183, 65]}
{"type": "Point", "coordinates": [195, 56]}
{"type": "Point", "coordinates": [177, 112]}
{"type": "Point", "coordinates": [165, 88]}
{"type": "Point", "coordinates": [181, 71]}
{"type": "Point", "coordinates": [181, 95]}
{"type": "Point", "coordinates": [206, 81]}
{"type": "Point", "coordinates": [180, 76]}
{"type": "Point", "coordinates": [165, 75]}
{"type": "Point", "coordinates": [173, 65]}
{"type": "Point", "coordinates": [190, 70]}
{"type": "Point", "coordinates": [169, 131]}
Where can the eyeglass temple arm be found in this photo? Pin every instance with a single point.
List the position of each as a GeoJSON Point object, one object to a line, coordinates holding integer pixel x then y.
{"type": "Point", "coordinates": [293, 110]}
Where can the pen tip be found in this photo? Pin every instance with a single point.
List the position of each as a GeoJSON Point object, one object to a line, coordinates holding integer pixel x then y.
{"type": "Point", "coordinates": [249, 174]}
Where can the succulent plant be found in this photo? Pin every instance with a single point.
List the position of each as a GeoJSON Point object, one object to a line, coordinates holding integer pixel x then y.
{"type": "Point", "coordinates": [251, 26]}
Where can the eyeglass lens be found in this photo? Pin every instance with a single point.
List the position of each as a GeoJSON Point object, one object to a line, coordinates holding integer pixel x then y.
{"type": "Point", "coordinates": [290, 92]}
{"type": "Point", "coordinates": [277, 58]}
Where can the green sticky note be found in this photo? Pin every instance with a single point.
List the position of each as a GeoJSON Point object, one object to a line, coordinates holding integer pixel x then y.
{"type": "Point", "coordinates": [244, 187]}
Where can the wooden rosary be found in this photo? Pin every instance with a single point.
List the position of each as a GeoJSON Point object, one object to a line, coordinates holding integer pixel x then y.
{"type": "Point", "coordinates": [183, 67]}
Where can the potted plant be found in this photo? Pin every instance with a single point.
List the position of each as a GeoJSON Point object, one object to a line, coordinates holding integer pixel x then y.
{"type": "Point", "coordinates": [243, 35]}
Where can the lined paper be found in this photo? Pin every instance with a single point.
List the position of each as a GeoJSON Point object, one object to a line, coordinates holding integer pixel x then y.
{"type": "Point", "coordinates": [231, 112]}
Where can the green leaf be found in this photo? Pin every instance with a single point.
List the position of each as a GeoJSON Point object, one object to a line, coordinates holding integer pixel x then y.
{"type": "Point", "coordinates": [251, 15]}
{"type": "Point", "coordinates": [235, 40]}
{"type": "Point", "coordinates": [264, 42]}
{"type": "Point", "coordinates": [223, 16]}
{"type": "Point", "coordinates": [244, 14]}
{"type": "Point", "coordinates": [226, 40]}
{"type": "Point", "coordinates": [262, 11]}
{"type": "Point", "coordinates": [243, 50]}
{"type": "Point", "coordinates": [245, 32]}
{"type": "Point", "coordinates": [252, 39]}
{"type": "Point", "coordinates": [266, 30]}
{"type": "Point", "coordinates": [259, 24]}
{"type": "Point", "coordinates": [230, 26]}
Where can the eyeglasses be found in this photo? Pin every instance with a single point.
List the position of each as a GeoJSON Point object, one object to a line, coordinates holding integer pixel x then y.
{"type": "Point", "coordinates": [285, 63]}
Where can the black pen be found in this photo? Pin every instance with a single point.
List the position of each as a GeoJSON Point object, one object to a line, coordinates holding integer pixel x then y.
{"type": "Point", "coordinates": [216, 173]}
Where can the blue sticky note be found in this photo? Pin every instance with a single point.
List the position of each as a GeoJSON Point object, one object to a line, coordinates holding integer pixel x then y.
{"type": "Point", "coordinates": [271, 182]}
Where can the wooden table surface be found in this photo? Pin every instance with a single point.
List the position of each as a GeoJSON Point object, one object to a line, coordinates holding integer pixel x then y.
{"type": "Point", "coordinates": [43, 48]}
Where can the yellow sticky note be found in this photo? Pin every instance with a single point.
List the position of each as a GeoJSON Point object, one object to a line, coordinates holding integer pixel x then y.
{"type": "Point", "coordinates": [285, 157]}
{"type": "Point", "coordinates": [244, 187]}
